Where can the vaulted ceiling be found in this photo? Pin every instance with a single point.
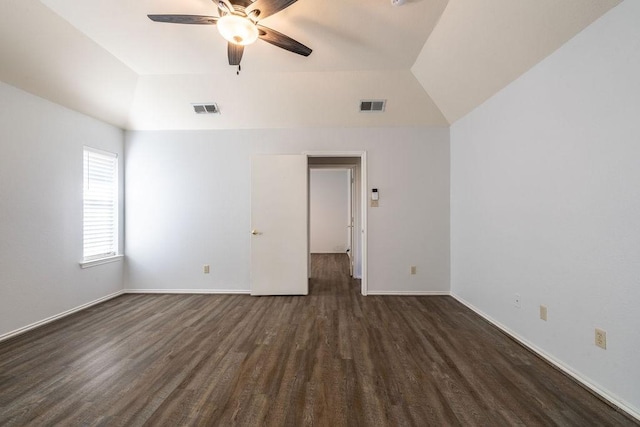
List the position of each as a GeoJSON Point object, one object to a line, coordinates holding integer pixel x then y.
{"type": "Point", "coordinates": [433, 60]}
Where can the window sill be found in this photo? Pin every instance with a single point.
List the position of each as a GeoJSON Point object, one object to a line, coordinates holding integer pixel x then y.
{"type": "Point", "coordinates": [107, 260]}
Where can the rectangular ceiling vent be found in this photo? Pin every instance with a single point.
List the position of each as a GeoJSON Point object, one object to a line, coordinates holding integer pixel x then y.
{"type": "Point", "coordinates": [208, 108]}
{"type": "Point", "coordinates": [372, 105]}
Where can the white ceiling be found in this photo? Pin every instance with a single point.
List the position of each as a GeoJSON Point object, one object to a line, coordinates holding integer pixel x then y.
{"type": "Point", "coordinates": [427, 57]}
{"type": "Point", "coordinates": [480, 46]}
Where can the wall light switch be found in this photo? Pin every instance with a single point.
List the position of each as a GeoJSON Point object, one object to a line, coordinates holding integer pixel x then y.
{"type": "Point", "coordinates": [206, 269]}
{"type": "Point", "coordinates": [543, 312]}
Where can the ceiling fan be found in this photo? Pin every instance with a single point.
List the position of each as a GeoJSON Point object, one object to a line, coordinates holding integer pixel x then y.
{"type": "Point", "coordinates": [238, 24]}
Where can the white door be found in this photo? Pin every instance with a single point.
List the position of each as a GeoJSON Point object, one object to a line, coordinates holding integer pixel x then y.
{"type": "Point", "coordinates": [279, 240]}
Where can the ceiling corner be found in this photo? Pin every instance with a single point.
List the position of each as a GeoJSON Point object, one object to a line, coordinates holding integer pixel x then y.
{"type": "Point", "coordinates": [478, 48]}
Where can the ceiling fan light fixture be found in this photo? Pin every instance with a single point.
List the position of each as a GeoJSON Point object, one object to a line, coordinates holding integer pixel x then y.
{"type": "Point", "coordinates": [237, 29]}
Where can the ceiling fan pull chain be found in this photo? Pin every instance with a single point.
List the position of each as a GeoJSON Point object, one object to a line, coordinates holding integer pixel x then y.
{"type": "Point", "coordinates": [239, 69]}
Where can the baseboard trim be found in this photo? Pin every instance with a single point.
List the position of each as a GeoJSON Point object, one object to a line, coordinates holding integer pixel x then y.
{"type": "Point", "coordinates": [189, 291]}
{"type": "Point", "coordinates": [601, 392]}
{"type": "Point", "coordinates": [66, 313]}
{"type": "Point", "coordinates": [409, 293]}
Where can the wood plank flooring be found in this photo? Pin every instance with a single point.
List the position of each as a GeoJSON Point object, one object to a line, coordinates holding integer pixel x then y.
{"type": "Point", "coordinates": [333, 358]}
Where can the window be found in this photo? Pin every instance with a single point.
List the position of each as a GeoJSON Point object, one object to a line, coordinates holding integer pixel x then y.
{"type": "Point", "coordinates": [100, 205]}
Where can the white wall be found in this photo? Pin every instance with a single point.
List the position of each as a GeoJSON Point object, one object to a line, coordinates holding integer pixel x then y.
{"type": "Point", "coordinates": [41, 210]}
{"type": "Point", "coordinates": [329, 210]}
{"type": "Point", "coordinates": [545, 203]}
{"type": "Point", "coordinates": [188, 196]}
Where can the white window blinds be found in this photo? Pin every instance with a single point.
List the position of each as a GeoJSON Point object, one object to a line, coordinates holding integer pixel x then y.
{"type": "Point", "coordinates": [100, 201]}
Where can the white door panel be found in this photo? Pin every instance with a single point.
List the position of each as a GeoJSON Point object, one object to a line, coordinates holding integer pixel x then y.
{"type": "Point", "coordinates": [279, 211]}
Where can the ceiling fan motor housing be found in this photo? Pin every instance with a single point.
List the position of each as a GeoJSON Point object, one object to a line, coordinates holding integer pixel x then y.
{"type": "Point", "coordinates": [240, 5]}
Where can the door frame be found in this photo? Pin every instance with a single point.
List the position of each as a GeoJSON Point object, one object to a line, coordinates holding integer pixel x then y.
{"type": "Point", "coordinates": [363, 202]}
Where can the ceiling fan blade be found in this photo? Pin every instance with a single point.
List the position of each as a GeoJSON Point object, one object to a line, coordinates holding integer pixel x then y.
{"type": "Point", "coordinates": [185, 19]}
{"type": "Point", "coordinates": [268, 7]}
{"type": "Point", "coordinates": [280, 40]}
{"type": "Point", "coordinates": [234, 51]}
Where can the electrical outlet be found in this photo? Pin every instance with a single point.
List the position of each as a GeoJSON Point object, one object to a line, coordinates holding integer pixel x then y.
{"type": "Point", "coordinates": [516, 300]}
{"type": "Point", "coordinates": [413, 269]}
{"type": "Point", "coordinates": [601, 338]}
{"type": "Point", "coordinates": [543, 312]}
{"type": "Point", "coordinates": [206, 269]}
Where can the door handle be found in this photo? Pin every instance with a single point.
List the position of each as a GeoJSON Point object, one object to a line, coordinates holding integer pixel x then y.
{"type": "Point", "coordinates": [255, 232]}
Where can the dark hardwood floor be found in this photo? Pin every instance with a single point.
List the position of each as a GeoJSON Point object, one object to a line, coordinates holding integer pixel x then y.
{"type": "Point", "coordinates": [333, 358]}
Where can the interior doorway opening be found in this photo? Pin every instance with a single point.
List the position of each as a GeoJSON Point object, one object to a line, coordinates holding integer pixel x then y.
{"type": "Point", "coordinates": [341, 227]}
{"type": "Point", "coordinates": [331, 211]}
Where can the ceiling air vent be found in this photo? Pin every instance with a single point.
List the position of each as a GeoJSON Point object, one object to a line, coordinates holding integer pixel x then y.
{"type": "Point", "coordinates": [209, 108]}
{"type": "Point", "coordinates": [372, 105]}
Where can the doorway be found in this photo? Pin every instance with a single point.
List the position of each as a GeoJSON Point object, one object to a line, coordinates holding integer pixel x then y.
{"type": "Point", "coordinates": [331, 211]}
{"type": "Point", "coordinates": [348, 213]}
